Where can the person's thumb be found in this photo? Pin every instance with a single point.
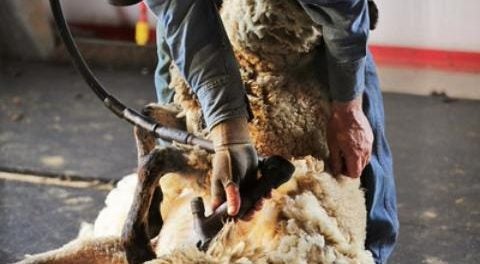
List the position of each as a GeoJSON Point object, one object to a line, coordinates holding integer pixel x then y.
{"type": "Point", "coordinates": [233, 199]}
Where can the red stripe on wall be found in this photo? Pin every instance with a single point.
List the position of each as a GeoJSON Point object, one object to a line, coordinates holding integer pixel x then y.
{"type": "Point", "coordinates": [427, 58]}
{"type": "Point", "coordinates": [120, 33]}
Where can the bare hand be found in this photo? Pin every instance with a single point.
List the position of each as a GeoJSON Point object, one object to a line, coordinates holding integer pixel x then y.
{"type": "Point", "coordinates": [349, 138]}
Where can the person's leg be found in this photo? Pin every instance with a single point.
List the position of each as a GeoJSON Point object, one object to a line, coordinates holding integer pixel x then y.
{"type": "Point", "coordinates": [162, 74]}
{"type": "Point", "coordinates": [377, 178]}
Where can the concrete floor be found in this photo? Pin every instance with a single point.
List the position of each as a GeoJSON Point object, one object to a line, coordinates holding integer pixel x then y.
{"type": "Point", "coordinates": [50, 124]}
{"type": "Point", "coordinates": [35, 218]}
{"type": "Point", "coordinates": [429, 81]}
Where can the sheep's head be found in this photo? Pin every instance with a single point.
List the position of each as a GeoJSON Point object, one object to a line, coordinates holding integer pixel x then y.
{"type": "Point", "coordinates": [271, 29]}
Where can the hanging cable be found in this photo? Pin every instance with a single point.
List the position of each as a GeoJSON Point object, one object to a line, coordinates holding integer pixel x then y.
{"type": "Point", "coordinates": [114, 105]}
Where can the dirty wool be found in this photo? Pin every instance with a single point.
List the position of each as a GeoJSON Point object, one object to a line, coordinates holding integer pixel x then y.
{"type": "Point", "coordinates": [313, 218]}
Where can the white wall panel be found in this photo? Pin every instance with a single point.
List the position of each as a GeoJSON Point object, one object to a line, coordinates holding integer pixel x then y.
{"type": "Point", "coordinates": [435, 24]}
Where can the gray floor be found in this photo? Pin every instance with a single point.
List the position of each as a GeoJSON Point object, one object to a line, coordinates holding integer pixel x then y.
{"type": "Point", "coordinates": [36, 218]}
{"type": "Point", "coordinates": [437, 147]}
{"type": "Point", "coordinates": [51, 124]}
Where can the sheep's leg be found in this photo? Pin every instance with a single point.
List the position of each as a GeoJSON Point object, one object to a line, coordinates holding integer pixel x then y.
{"type": "Point", "coordinates": [164, 115]}
{"type": "Point", "coordinates": [144, 220]}
{"type": "Point", "coordinates": [145, 144]}
{"type": "Point", "coordinates": [167, 116]}
{"type": "Point", "coordinates": [93, 251]}
{"type": "Point", "coordinates": [155, 221]}
{"type": "Point", "coordinates": [135, 237]}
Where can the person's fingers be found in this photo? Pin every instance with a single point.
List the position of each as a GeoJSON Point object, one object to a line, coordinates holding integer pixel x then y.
{"type": "Point", "coordinates": [335, 160]}
{"type": "Point", "coordinates": [218, 195]}
{"type": "Point", "coordinates": [233, 199]}
{"type": "Point", "coordinates": [354, 166]}
{"type": "Point", "coordinates": [366, 160]}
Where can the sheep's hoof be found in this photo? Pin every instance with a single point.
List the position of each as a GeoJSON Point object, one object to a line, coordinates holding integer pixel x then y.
{"type": "Point", "coordinates": [137, 253]}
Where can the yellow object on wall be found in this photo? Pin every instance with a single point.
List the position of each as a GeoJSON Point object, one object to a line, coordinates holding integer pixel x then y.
{"type": "Point", "coordinates": [142, 29]}
{"type": "Point", "coordinates": [142, 32]}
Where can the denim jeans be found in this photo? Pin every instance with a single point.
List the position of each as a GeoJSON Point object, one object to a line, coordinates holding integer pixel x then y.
{"type": "Point", "coordinates": [377, 178]}
{"type": "Point", "coordinates": [211, 88]}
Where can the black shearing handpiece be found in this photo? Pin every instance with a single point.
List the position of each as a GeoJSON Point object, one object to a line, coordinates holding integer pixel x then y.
{"type": "Point", "coordinates": [275, 170]}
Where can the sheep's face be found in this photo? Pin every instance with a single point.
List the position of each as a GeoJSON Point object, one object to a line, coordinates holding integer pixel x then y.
{"type": "Point", "coordinates": [270, 28]}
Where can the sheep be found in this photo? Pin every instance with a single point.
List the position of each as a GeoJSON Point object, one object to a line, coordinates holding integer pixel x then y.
{"type": "Point", "coordinates": [313, 218]}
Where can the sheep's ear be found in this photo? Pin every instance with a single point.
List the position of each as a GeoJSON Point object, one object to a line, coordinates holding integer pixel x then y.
{"type": "Point", "coordinates": [373, 13]}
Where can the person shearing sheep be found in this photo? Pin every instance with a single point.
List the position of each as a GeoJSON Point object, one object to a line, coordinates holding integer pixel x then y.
{"type": "Point", "coordinates": [190, 33]}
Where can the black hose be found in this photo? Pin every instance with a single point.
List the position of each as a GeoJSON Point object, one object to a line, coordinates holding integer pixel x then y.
{"type": "Point", "coordinates": [114, 105]}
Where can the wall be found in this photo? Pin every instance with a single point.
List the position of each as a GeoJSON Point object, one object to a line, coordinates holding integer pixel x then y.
{"type": "Point", "coordinates": [434, 24]}
{"type": "Point", "coordinates": [25, 32]}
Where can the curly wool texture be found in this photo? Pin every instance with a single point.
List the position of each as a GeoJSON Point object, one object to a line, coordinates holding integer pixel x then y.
{"type": "Point", "coordinates": [314, 218]}
{"type": "Point", "coordinates": [274, 42]}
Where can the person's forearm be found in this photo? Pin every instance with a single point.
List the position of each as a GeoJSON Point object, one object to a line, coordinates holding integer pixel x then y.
{"type": "Point", "coordinates": [345, 28]}
{"type": "Point", "coordinates": [200, 49]}
{"type": "Point", "coordinates": [346, 80]}
{"type": "Point", "coordinates": [346, 49]}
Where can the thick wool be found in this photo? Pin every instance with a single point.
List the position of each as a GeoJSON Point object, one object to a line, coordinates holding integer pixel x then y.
{"type": "Point", "coordinates": [313, 218]}
{"type": "Point", "coordinates": [274, 44]}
